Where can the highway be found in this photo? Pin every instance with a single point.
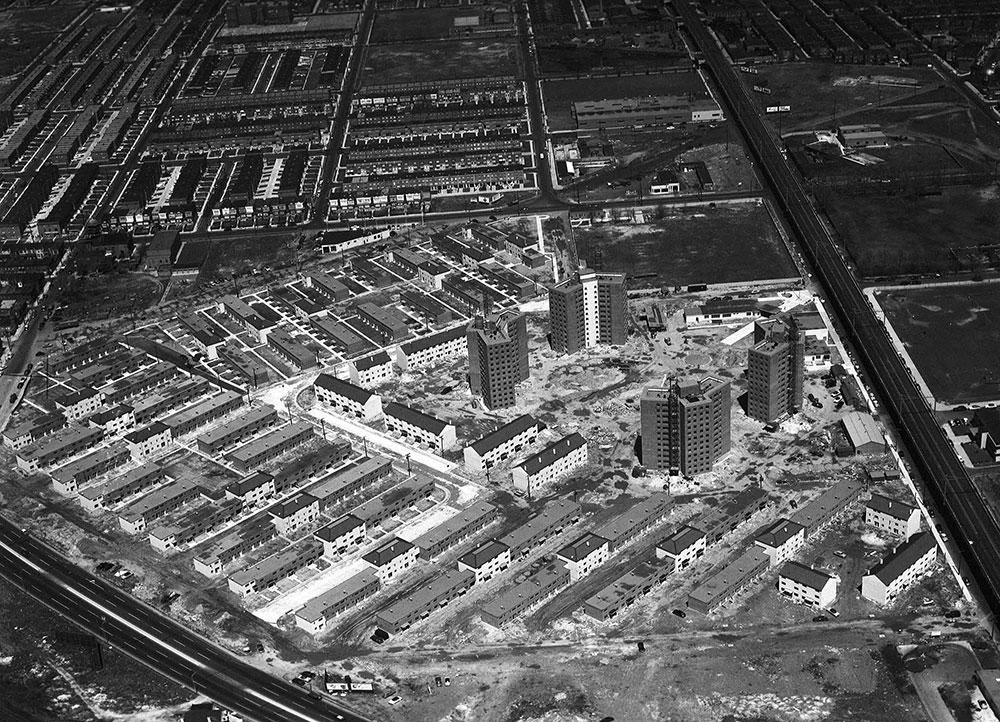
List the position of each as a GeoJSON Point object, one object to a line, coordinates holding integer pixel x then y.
{"type": "Point", "coordinates": [942, 473]}
{"type": "Point", "coordinates": [151, 638]}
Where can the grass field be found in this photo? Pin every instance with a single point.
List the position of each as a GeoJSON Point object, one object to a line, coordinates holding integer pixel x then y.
{"type": "Point", "coordinates": [892, 235]}
{"type": "Point", "coordinates": [393, 26]}
{"type": "Point", "coordinates": [952, 334]}
{"type": "Point", "coordinates": [561, 94]}
{"type": "Point", "coordinates": [911, 157]}
{"type": "Point", "coordinates": [444, 60]}
{"type": "Point", "coordinates": [584, 60]}
{"type": "Point", "coordinates": [727, 244]}
{"type": "Point", "coordinates": [24, 31]}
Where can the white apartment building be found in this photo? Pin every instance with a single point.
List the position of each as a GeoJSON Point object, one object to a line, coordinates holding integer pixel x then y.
{"type": "Point", "coordinates": [891, 516]}
{"type": "Point", "coordinates": [392, 558]}
{"type": "Point", "coordinates": [503, 443]}
{"type": "Point", "coordinates": [341, 535]}
{"type": "Point", "coordinates": [808, 586]}
{"type": "Point", "coordinates": [149, 440]}
{"type": "Point", "coordinates": [346, 398]}
{"type": "Point", "coordinates": [553, 462]}
{"type": "Point", "coordinates": [372, 370]}
{"type": "Point", "coordinates": [486, 560]}
{"type": "Point", "coordinates": [684, 546]}
{"type": "Point", "coordinates": [298, 511]}
{"type": "Point", "coordinates": [781, 541]}
{"type": "Point", "coordinates": [898, 571]}
{"type": "Point", "coordinates": [416, 426]}
{"type": "Point", "coordinates": [584, 555]}
{"type": "Point", "coordinates": [430, 350]}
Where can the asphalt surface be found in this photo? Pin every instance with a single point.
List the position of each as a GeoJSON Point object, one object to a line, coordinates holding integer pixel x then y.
{"type": "Point", "coordinates": [147, 636]}
{"type": "Point", "coordinates": [943, 475]}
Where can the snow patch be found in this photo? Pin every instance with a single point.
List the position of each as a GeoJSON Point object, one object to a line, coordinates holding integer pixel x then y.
{"type": "Point", "coordinates": [325, 580]}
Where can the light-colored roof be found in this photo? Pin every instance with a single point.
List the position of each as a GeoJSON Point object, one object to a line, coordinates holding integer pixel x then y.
{"type": "Point", "coordinates": [861, 429]}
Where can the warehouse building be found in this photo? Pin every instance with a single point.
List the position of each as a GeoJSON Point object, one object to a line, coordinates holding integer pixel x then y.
{"type": "Point", "coordinates": [391, 558]}
{"type": "Point", "coordinates": [597, 115]}
{"type": "Point", "coordinates": [430, 350]}
{"type": "Point", "coordinates": [891, 516]}
{"type": "Point", "coordinates": [640, 518]}
{"type": "Point", "coordinates": [551, 520]}
{"type": "Point", "coordinates": [113, 492]}
{"type": "Point", "coordinates": [627, 589]}
{"type": "Point", "coordinates": [270, 446]}
{"type": "Point", "coordinates": [340, 535]}
{"type": "Point", "coordinates": [455, 530]}
{"type": "Point", "coordinates": [193, 523]}
{"type": "Point", "coordinates": [372, 370]}
{"type": "Point", "coordinates": [862, 136]}
{"type": "Point", "coordinates": [486, 560]}
{"type": "Point", "coordinates": [515, 601]}
{"type": "Point", "coordinates": [204, 412]}
{"type": "Point", "coordinates": [350, 481]}
{"type": "Point", "coordinates": [273, 569]}
{"type": "Point", "coordinates": [69, 478]}
{"type": "Point", "coordinates": [135, 517]}
{"type": "Point", "coordinates": [900, 570]}
{"type": "Point", "coordinates": [247, 536]}
{"type": "Point", "coordinates": [502, 444]}
{"type": "Point", "coordinates": [722, 312]}
{"type": "Point", "coordinates": [347, 398]}
{"type": "Point", "coordinates": [863, 434]}
{"type": "Point", "coordinates": [551, 463]}
{"type": "Point", "coordinates": [57, 447]}
{"type": "Point", "coordinates": [235, 430]}
{"type": "Point", "coordinates": [162, 250]}
{"type": "Point", "coordinates": [417, 427]}
{"type": "Point", "coordinates": [424, 600]}
{"type": "Point", "coordinates": [729, 581]}
{"type": "Point", "coordinates": [289, 515]}
{"type": "Point", "coordinates": [393, 501]}
{"type": "Point", "coordinates": [808, 586]}
{"type": "Point", "coordinates": [314, 617]}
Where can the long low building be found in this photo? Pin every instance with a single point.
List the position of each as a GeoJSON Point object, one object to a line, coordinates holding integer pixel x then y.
{"type": "Point", "coordinates": [314, 617]}
{"type": "Point", "coordinates": [57, 447]}
{"type": "Point", "coordinates": [636, 521]}
{"type": "Point", "coordinates": [419, 427]}
{"type": "Point", "coordinates": [341, 486]}
{"type": "Point", "coordinates": [69, 478]}
{"type": "Point", "coordinates": [20, 435]}
{"type": "Point", "coordinates": [552, 519]}
{"type": "Point", "coordinates": [432, 349]}
{"type": "Point", "coordinates": [729, 581]}
{"type": "Point", "coordinates": [455, 530]}
{"type": "Point", "coordinates": [235, 430]}
{"type": "Point", "coordinates": [393, 501]}
{"type": "Point", "coordinates": [193, 523]}
{"type": "Point", "coordinates": [515, 601]}
{"type": "Point", "coordinates": [428, 597]}
{"type": "Point", "coordinates": [115, 491]}
{"type": "Point", "coordinates": [346, 398]}
{"type": "Point", "coordinates": [551, 463]}
{"type": "Point", "coordinates": [900, 570]}
{"type": "Point", "coordinates": [828, 506]}
{"type": "Point", "coordinates": [627, 589]}
{"type": "Point", "coordinates": [270, 446]}
{"type": "Point", "coordinates": [732, 512]}
{"type": "Point", "coordinates": [247, 536]}
{"type": "Point", "coordinates": [268, 572]}
{"type": "Point", "coordinates": [502, 444]}
{"type": "Point", "coordinates": [135, 517]}
{"type": "Point", "coordinates": [202, 413]}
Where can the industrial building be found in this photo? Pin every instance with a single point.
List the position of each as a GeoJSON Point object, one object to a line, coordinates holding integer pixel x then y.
{"type": "Point", "coordinates": [555, 461]}
{"type": "Point", "coordinates": [315, 615]}
{"type": "Point", "coordinates": [808, 586]}
{"type": "Point", "coordinates": [685, 425]}
{"type": "Point", "coordinates": [273, 569]}
{"type": "Point", "coordinates": [502, 444]}
{"type": "Point", "coordinates": [498, 357]}
{"type": "Point", "coordinates": [418, 427]}
{"type": "Point", "coordinates": [775, 370]}
{"type": "Point", "coordinates": [588, 309]}
{"type": "Point", "coordinates": [863, 434]}
{"type": "Point", "coordinates": [270, 446]}
{"type": "Point", "coordinates": [162, 250]}
{"type": "Point", "coordinates": [892, 516]}
{"type": "Point", "coordinates": [862, 136]}
{"type": "Point", "coordinates": [898, 571]}
{"type": "Point", "coordinates": [347, 398]}
{"type": "Point", "coordinates": [597, 115]}
{"type": "Point", "coordinates": [627, 589]}
{"type": "Point", "coordinates": [455, 530]}
{"type": "Point", "coordinates": [424, 600]}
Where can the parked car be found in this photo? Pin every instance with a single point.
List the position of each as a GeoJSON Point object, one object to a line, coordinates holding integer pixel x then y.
{"type": "Point", "coordinates": [395, 699]}
{"type": "Point", "coordinates": [678, 613]}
